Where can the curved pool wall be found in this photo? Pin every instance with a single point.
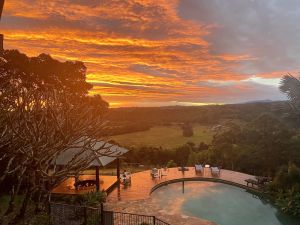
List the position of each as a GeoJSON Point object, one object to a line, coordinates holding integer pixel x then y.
{"type": "Point", "coordinates": [218, 202]}
{"type": "Point", "coordinates": [216, 180]}
{"type": "Point", "coordinates": [142, 184]}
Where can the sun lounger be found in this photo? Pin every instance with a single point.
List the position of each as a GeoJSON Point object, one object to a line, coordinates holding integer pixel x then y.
{"type": "Point", "coordinates": [164, 171]}
{"type": "Point", "coordinates": [125, 178]}
{"type": "Point", "coordinates": [215, 171]}
{"type": "Point", "coordinates": [154, 173]}
{"type": "Point", "coordinates": [198, 168]}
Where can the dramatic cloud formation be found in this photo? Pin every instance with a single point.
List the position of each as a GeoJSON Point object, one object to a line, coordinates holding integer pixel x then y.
{"type": "Point", "coordinates": [165, 52]}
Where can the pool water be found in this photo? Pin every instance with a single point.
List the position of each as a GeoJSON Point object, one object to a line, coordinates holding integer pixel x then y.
{"type": "Point", "coordinates": [220, 203]}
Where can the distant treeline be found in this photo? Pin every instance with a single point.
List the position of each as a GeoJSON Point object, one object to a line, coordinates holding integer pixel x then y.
{"type": "Point", "coordinates": [206, 115]}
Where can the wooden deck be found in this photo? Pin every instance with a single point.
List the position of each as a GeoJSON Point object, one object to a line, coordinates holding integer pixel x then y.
{"type": "Point", "coordinates": [67, 187]}
{"type": "Point", "coordinates": [142, 184]}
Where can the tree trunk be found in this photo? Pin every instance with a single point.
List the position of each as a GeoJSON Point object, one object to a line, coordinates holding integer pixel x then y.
{"type": "Point", "coordinates": [38, 202]}
{"type": "Point", "coordinates": [24, 205]}
{"type": "Point", "coordinates": [14, 193]}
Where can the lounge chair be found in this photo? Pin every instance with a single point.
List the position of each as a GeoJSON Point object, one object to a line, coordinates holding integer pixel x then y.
{"type": "Point", "coordinates": [125, 178]}
{"type": "Point", "coordinates": [154, 173]}
{"type": "Point", "coordinates": [215, 171]}
{"type": "Point", "coordinates": [164, 171]}
{"type": "Point", "coordinates": [199, 168]}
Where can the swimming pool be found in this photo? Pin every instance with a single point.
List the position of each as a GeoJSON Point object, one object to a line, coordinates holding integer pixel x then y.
{"type": "Point", "coordinates": [220, 203]}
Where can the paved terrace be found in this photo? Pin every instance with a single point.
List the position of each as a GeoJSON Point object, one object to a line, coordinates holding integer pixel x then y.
{"type": "Point", "coordinates": [142, 184]}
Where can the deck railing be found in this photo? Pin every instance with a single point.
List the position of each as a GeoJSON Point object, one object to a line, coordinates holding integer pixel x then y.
{"type": "Point", "coordinates": [64, 214]}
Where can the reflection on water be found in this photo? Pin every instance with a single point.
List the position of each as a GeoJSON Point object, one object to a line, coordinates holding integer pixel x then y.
{"type": "Point", "coordinates": [221, 203]}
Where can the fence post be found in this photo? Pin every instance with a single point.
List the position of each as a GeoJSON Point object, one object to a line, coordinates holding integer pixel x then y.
{"type": "Point", "coordinates": [85, 215]}
{"type": "Point", "coordinates": [101, 214]}
{"type": "Point", "coordinates": [49, 212]}
{"type": "Point", "coordinates": [154, 220]}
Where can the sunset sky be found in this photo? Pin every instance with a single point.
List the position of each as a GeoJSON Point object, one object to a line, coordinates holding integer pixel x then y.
{"type": "Point", "coordinates": [165, 52]}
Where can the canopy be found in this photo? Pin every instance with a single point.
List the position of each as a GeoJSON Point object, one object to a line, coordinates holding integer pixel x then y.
{"type": "Point", "coordinates": [105, 154]}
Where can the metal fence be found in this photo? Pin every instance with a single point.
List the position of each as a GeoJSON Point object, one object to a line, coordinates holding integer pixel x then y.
{"type": "Point", "coordinates": [120, 218]}
{"type": "Point", "coordinates": [64, 214]}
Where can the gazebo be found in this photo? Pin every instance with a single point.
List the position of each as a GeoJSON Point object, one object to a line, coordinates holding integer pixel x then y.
{"type": "Point", "coordinates": [99, 155]}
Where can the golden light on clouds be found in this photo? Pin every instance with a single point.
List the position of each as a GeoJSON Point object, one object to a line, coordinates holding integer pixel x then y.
{"type": "Point", "coordinates": [141, 52]}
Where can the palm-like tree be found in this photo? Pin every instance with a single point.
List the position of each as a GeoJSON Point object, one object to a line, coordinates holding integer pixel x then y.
{"type": "Point", "coordinates": [1, 7]}
{"type": "Point", "coordinates": [290, 86]}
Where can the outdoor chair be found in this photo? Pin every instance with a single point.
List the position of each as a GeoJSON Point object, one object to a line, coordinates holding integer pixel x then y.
{"type": "Point", "coordinates": [215, 171]}
{"type": "Point", "coordinates": [199, 168]}
{"type": "Point", "coordinates": [164, 171]}
{"type": "Point", "coordinates": [125, 178]}
{"type": "Point", "coordinates": [84, 183]}
{"type": "Point", "coordinates": [154, 173]}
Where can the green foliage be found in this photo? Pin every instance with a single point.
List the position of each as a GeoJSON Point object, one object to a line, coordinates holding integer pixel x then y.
{"type": "Point", "coordinates": [289, 202]}
{"type": "Point", "coordinates": [171, 164]}
{"type": "Point", "coordinates": [258, 147]}
{"type": "Point", "coordinates": [193, 158]}
{"type": "Point", "coordinates": [67, 76]}
{"type": "Point", "coordinates": [286, 189]}
{"type": "Point", "coordinates": [182, 155]}
{"type": "Point", "coordinates": [92, 198]}
{"type": "Point", "coordinates": [40, 219]}
{"type": "Point", "coordinates": [94, 220]}
{"type": "Point", "coordinates": [187, 130]}
{"type": "Point", "coordinates": [290, 86]}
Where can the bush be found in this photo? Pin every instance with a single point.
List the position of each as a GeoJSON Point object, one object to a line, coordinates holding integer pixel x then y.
{"type": "Point", "coordinates": [187, 130]}
{"type": "Point", "coordinates": [286, 189]}
{"type": "Point", "coordinates": [289, 202]}
{"type": "Point", "coordinates": [94, 198]}
{"type": "Point", "coordinates": [90, 198]}
{"type": "Point", "coordinates": [171, 163]}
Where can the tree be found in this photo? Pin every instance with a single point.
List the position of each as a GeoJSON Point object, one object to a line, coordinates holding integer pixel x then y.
{"type": "Point", "coordinates": [45, 72]}
{"type": "Point", "coordinates": [182, 155]}
{"type": "Point", "coordinates": [290, 86]}
{"type": "Point", "coordinates": [225, 145]}
{"type": "Point", "coordinates": [39, 121]}
{"type": "Point", "coordinates": [187, 130]}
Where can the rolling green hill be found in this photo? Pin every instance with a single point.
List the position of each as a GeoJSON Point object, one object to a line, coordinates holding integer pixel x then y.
{"type": "Point", "coordinates": [164, 136]}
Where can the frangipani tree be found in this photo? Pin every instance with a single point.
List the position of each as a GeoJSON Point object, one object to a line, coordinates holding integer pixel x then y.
{"type": "Point", "coordinates": [41, 119]}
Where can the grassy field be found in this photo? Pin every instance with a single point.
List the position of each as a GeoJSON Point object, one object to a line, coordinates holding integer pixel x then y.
{"type": "Point", "coordinates": [164, 136]}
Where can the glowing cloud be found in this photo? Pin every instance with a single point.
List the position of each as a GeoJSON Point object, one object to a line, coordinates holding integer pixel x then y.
{"type": "Point", "coordinates": [162, 52]}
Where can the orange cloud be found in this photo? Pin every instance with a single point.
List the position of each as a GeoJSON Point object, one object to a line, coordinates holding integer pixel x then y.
{"type": "Point", "coordinates": [135, 50]}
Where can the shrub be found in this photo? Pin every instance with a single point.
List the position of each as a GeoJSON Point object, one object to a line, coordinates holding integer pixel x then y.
{"type": "Point", "coordinates": [94, 198]}
{"type": "Point", "coordinates": [289, 202]}
{"type": "Point", "coordinates": [171, 163]}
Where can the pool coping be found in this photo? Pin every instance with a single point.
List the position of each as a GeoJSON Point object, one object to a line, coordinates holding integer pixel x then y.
{"type": "Point", "coordinates": [207, 179]}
